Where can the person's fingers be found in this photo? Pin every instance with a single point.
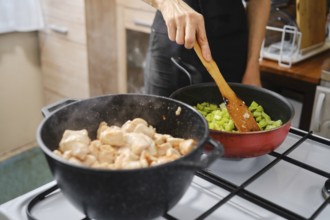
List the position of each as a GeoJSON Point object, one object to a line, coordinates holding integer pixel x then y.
{"type": "Point", "coordinates": [171, 30]}
{"type": "Point", "coordinates": [180, 35]}
{"type": "Point", "coordinates": [203, 42]}
{"type": "Point", "coordinates": [205, 50]}
{"type": "Point", "coordinates": [190, 36]}
{"type": "Point", "coordinates": [180, 29]}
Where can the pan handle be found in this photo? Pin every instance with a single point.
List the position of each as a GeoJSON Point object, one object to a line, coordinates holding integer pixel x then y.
{"type": "Point", "coordinates": [47, 110]}
{"type": "Point", "coordinates": [191, 72]}
{"type": "Point", "coordinates": [208, 158]}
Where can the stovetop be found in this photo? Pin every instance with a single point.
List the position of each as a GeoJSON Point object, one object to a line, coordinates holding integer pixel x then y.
{"type": "Point", "coordinates": [285, 184]}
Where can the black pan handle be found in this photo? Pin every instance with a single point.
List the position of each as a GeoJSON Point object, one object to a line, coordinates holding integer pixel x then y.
{"type": "Point", "coordinates": [208, 158]}
{"type": "Point", "coordinates": [191, 72]}
{"type": "Point", "coordinates": [47, 110]}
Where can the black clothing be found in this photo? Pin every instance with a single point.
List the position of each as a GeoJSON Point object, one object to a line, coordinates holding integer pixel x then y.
{"type": "Point", "coordinates": [226, 29]}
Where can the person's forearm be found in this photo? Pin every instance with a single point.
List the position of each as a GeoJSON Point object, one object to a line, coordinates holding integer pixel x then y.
{"type": "Point", "coordinates": [258, 14]}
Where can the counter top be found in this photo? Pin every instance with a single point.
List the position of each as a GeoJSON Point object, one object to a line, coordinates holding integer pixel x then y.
{"type": "Point", "coordinates": [308, 70]}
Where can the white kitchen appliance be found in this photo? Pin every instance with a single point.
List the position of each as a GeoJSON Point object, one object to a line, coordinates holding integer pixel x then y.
{"type": "Point", "coordinates": [320, 123]}
{"type": "Point", "coordinates": [289, 183]}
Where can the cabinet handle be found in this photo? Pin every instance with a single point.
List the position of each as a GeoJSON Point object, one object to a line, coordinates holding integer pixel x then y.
{"type": "Point", "coordinates": [317, 112]}
{"type": "Point", "coordinates": [59, 29]}
{"type": "Point", "coordinates": [142, 23]}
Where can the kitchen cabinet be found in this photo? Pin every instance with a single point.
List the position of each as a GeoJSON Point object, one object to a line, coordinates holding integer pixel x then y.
{"type": "Point", "coordinates": [20, 93]}
{"type": "Point", "coordinates": [133, 24]}
{"type": "Point", "coordinates": [78, 49]}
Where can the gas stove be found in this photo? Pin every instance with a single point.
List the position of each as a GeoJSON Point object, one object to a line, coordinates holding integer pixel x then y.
{"type": "Point", "coordinates": [290, 183]}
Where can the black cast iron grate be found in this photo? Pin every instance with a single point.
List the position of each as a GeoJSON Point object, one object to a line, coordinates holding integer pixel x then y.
{"type": "Point", "coordinates": [240, 190]}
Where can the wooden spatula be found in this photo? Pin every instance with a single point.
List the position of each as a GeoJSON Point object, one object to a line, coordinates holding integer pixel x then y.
{"type": "Point", "coordinates": [238, 111]}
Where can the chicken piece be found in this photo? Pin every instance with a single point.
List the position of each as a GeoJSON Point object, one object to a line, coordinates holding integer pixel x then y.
{"type": "Point", "coordinates": [171, 154]}
{"type": "Point", "coordinates": [133, 165]}
{"type": "Point", "coordinates": [138, 142]}
{"type": "Point", "coordinates": [162, 149]}
{"type": "Point", "coordinates": [100, 165]}
{"type": "Point", "coordinates": [75, 141]}
{"type": "Point", "coordinates": [80, 152]}
{"type": "Point", "coordinates": [129, 125]}
{"type": "Point", "coordinates": [94, 147]}
{"type": "Point", "coordinates": [112, 135]}
{"type": "Point", "coordinates": [111, 166]}
{"type": "Point", "coordinates": [139, 121]}
{"type": "Point", "coordinates": [141, 162]}
{"type": "Point", "coordinates": [96, 164]}
{"type": "Point", "coordinates": [67, 155]}
{"type": "Point", "coordinates": [102, 126]}
{"type": "Point", "coordinates": [147, 157]}
{"type": "Point", "coordinates": [144, 163]}
{"type": "Point", "coordinates": [174, 141]}
{"type": "Point", "coordinates": [159, 139]}
{"type": "Point", "coordinates": [75, 161]}
{"type": "Point", "coordinates": [178, 111]}
{"type": "Point", "coordinates": [89, 160]}
{"type": "Point", "coordinates": [186, 146]}
{"type": "Point", "coordinates": [124, 155]}
{"type": "Point", "coordinates": [58, 153]}
{"type": "Point", "coordinates": [167, 136]}
{"type": "Point", "coordinates": [165, 159]}
{"type": "Point", "coordinates": [107, 154]}
{"type": "Point", "coordinates": [142, 128]}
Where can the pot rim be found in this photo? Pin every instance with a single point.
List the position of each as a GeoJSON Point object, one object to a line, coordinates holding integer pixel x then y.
{"type": "Point", "coordinates": [278, 96]}
{"type": "Point", "coordinates": [176, 162]}
{"type": "Point", "coordinates": [288, 123]}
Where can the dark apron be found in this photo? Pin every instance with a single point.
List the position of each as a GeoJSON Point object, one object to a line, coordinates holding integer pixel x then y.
{"type": "Point", "coordinates": [226, 27]}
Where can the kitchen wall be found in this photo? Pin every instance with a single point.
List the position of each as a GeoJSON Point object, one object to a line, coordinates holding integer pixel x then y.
{"type": "Point", "coordinates": [20, 92]}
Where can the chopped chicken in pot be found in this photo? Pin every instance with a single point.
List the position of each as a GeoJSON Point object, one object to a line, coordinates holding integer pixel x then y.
{"type": "Point", "coordinates": [133, 145]}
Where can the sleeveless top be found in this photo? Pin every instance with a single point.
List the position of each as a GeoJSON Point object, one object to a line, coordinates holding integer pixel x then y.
{"type": "Point", "coordinates": [227, 34]}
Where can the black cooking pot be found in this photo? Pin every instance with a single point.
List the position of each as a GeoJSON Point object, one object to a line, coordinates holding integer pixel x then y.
{"type": "Point", "coordinates": [126, 194]}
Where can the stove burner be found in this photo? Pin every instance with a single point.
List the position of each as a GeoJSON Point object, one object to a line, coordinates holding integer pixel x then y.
{"type": "Point", "coordinates": [326, 189]}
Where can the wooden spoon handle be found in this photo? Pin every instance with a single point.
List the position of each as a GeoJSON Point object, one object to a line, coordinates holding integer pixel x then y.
{"type": "Point", "coordinates": [238, 111]}
{"type": "Point", "coordinates": [214, 71]}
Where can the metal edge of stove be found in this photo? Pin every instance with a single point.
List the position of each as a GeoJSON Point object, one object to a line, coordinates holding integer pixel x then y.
{"type": "Point", "coordinates": [43, 195]}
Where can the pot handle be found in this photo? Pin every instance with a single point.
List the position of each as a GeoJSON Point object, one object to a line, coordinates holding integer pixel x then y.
{"type": "Point", "coordinates": [47, 110]}
{"type": "Point", "coordinates": [208, 158]}
{"type": "Point", "coordinates": [191, 72]}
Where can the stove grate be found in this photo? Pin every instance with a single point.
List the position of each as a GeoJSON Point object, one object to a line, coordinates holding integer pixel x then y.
{"type": "Point", "coordinates": [277, 209]}
{"type": "Point", "coordinates": [240, 190]}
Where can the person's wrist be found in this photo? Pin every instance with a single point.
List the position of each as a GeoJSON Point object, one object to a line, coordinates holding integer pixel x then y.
{"type": "Point", "coordinates": [253, 62]}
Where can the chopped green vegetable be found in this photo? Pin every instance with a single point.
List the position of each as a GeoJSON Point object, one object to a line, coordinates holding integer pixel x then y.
{"type": "Point", "coordinates": [218, 117]}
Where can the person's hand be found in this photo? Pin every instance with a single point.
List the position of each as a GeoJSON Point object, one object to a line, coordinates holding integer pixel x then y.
{"type": "Point", "coordinates": [184, 25]}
